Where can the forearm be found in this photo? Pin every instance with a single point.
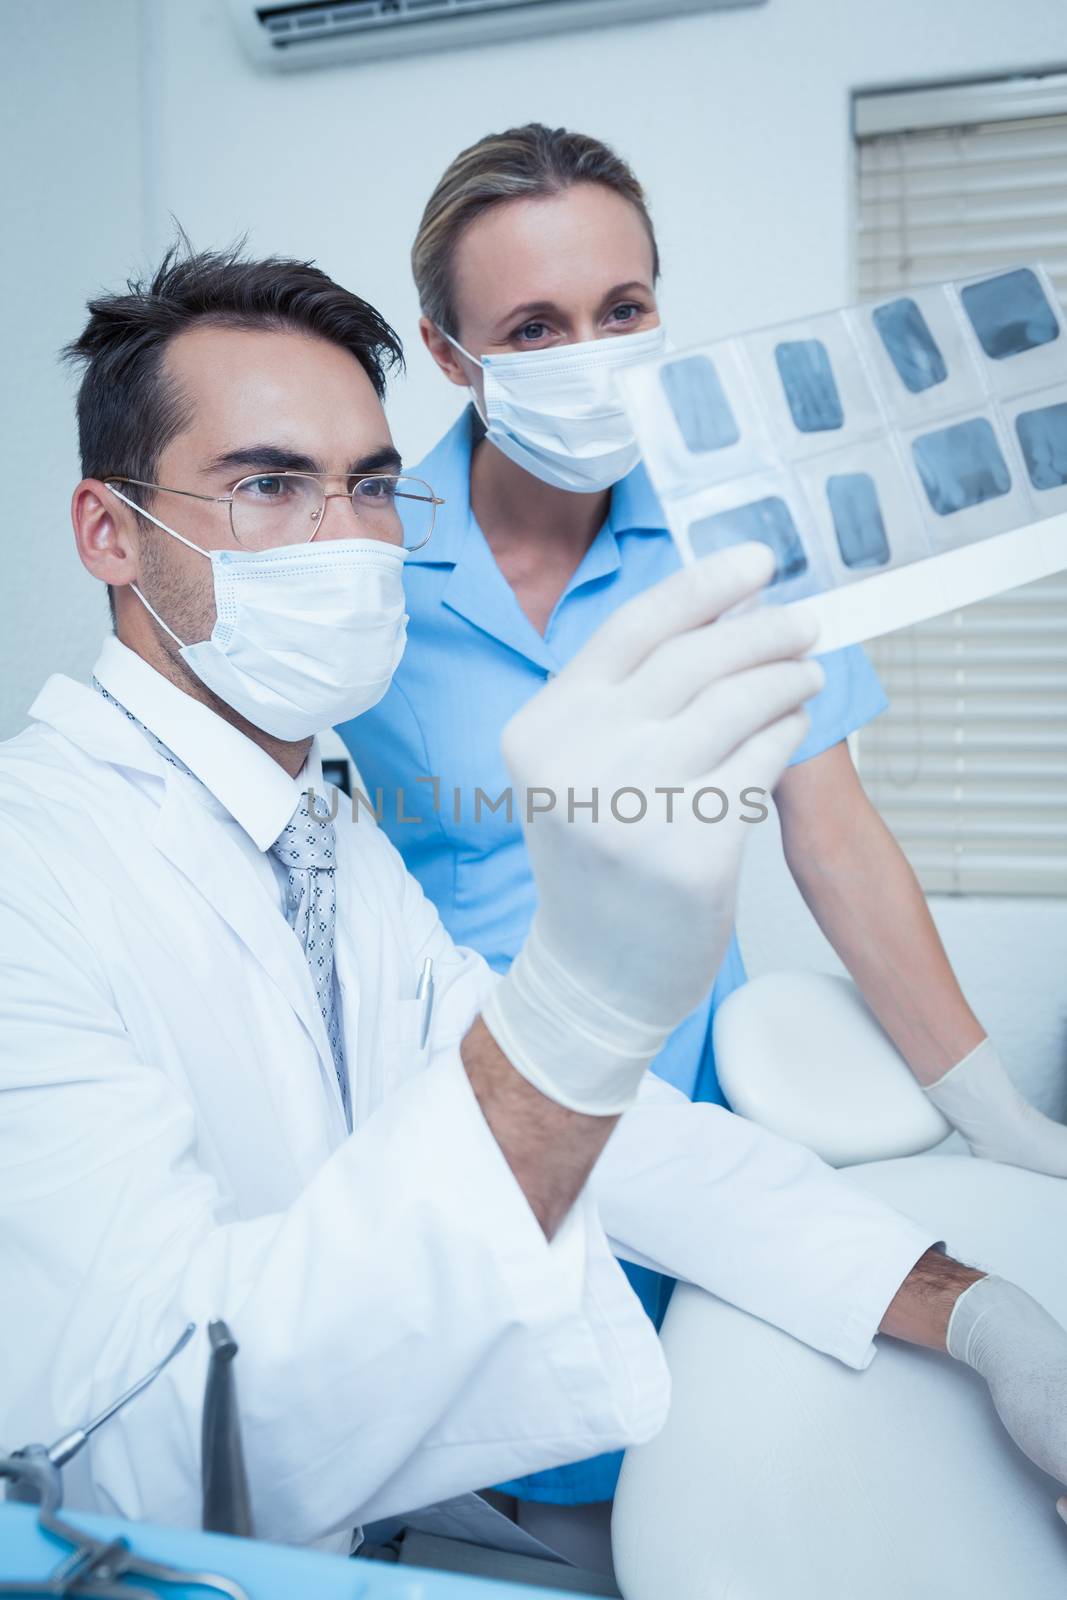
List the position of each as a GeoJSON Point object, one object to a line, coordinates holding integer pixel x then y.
{"type": "Point", "coordinates": [865, 897]}
{"type": "Point", "coordinates": [919, 1312]}
{"type": "Point", "coordinates": [550, 1150]}
{"type": "Point", "coordinates": [709, 1197]}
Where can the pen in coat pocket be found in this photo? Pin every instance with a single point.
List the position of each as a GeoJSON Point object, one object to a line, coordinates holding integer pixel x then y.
{"type": "Point", "coordinates": [424, 992]}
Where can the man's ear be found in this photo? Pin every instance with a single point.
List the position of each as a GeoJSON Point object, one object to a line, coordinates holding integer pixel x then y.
{"type": "Point", "coordinates": [105, 532]}
{"type": "Point", "coordinates": [447, 357]}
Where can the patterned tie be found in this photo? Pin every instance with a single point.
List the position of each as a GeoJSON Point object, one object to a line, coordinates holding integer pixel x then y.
{"type": "Point", "coordinates": [306, 849]}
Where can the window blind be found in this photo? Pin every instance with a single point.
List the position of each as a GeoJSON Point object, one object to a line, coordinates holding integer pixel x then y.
{"type": "Point", "coordinates": [969, 766]}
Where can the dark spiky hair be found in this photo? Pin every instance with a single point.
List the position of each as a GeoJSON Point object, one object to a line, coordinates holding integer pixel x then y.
{"type": "Point", "coordinates": [128, 412]}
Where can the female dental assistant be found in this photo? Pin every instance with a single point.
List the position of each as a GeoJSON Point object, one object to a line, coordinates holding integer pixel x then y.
{"type": "Point", "coordinates": [536, 266]}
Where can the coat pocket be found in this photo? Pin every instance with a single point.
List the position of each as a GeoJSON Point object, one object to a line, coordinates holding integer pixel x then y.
{"type": "Point", "coordinates": [405, 1054]}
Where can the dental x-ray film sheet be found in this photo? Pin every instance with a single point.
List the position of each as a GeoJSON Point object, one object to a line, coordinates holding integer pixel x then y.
{"type": "Point", "coordinates": [900, 458]}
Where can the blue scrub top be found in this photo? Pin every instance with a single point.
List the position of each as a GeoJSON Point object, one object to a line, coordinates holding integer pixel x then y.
{"type": "Point", "coordinates": [473, 658]}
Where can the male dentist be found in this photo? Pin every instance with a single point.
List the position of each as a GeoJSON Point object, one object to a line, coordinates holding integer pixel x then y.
{"type": "Point", "coordinates": [244, 1072]}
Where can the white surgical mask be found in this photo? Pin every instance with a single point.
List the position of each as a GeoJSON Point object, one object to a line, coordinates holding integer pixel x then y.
{"type": "Point", "coordinates": [305, 635]}
{"type": "Point", "coordinates": [556, 412]}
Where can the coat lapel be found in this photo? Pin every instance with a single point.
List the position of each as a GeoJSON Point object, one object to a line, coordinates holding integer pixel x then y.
{"type": "Point", "coordinates": [200, 847]}
{"type": "Point", "coordinates": [193, 842]}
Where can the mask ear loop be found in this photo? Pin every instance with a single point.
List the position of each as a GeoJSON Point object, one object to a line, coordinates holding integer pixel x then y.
{"type": "Point", "coordinates": [475, 361]}
{"type": "Point", "coordinates": [141, 512]}
{"type": "Point", "coordinates": [154, 614]}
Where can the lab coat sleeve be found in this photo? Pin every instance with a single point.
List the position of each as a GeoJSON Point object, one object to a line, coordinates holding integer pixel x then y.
{"type": "Point", "coordinates": [698, 1193]}
{"type": "Point", "coordinates": [405, 1330]}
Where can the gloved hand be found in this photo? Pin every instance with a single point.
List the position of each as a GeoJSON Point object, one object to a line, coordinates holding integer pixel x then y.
{"type": "Point", "coordinates": [1021, 1352]}
{"type": "Point", "coordinates": [665, 701]}
{"type": "Point", "coordinates": [979, 1099]}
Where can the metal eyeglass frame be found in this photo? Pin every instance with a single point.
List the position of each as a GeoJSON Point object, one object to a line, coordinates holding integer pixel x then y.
{"type": "Point", "coordinates": [368, 477]}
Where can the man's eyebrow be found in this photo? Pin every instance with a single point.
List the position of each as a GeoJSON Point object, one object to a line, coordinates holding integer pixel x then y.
{"type": "Point", "coordinates": [387, 459]}
{"type": "Point", "coordinates": [276, 458]}
{"type": "Point", "coordinates": [271, 457]}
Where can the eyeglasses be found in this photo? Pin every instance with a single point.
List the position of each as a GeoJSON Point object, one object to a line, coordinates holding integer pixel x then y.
{"type": "Point", "coordinates": [276, 508]}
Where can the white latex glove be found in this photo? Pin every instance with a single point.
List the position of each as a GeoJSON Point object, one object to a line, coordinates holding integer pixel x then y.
{"type": "Point", "coordinates": [634, 917]}
{"type": "Point", "coordinates": [979, 1099]}
{"type": "Point", "coordinates": [1021, 1352]}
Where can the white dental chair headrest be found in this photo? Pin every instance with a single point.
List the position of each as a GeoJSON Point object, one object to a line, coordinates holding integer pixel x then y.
{"type": "Point", "coordinates": [801, 1054]}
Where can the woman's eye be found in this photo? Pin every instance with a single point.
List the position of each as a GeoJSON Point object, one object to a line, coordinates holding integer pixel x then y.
{"type": "Point", "coordinates": [626, 313]}
{"type": "Point", "coordinates": [533, 331]}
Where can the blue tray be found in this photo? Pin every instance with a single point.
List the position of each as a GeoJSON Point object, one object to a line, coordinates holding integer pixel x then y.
{"type": "Point", "coordinates": [267, 1571]}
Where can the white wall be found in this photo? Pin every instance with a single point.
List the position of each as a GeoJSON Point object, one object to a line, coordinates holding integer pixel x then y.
{"type": "Point", "coordinates": [737, 123]}
{"type": "Point", "coordinates": [71, 210]}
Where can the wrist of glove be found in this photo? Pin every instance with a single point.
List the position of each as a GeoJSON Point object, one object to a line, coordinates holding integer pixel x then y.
{"type": "Point", "coordinates": [1021, 1352]}
{"type": "Point", "coordinates": [979, 1098]}
{"type": "Point", "coordinates": [571, 1045]}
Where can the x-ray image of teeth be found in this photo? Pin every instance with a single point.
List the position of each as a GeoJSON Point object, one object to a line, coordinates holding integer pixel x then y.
{"type": "Point", "coordinates": [899, 434]}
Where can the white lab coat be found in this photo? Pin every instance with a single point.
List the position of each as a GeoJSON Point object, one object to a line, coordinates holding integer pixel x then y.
{"type": "Point", "coordinates": [173, 1146]}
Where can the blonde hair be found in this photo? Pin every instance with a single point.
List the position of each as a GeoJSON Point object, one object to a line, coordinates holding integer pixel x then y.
{"type": "Point", "coordinates": [531, 162]}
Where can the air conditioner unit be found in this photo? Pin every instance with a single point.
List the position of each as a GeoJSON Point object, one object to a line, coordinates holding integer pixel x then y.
{"type": "Point", "coordinates": [309, 33]}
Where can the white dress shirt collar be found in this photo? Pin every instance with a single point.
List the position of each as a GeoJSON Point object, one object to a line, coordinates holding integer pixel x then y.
{"type": "Point", "coordinates": [258, 793]}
